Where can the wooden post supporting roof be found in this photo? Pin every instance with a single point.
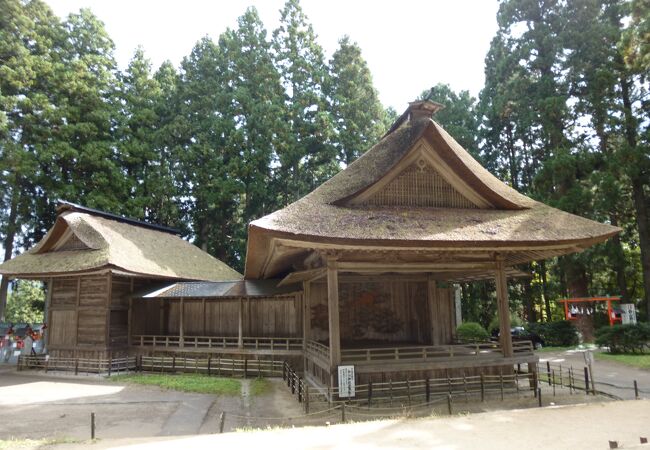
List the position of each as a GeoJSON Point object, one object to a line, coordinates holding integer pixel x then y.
{"type": "Point", "coordinates": [333, 316]}
{"type": "Point", "coordinates": [181, 327]}
{"type": "Point", "coordinates": [433, 310]}
{"type": "Point", "coordinates": [503, 309]}
{"type": "Point", "coordinates": [240, 311]}
{"type": "Point", "coordinates": [306, 313]}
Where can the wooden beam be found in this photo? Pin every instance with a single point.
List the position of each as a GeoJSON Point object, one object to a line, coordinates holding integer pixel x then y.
{"type": "Point", "coordinates": [333, 317]}
{"type": "Point", "coordinates": [302, 276]}
{"type": "Point", "coordinates": [503, 310]}
{"type": "Point", "coordinates": [432, 302]}
{"type": "Point", "coordinates": [240, 315]}
{"type": "Point", "coordinates": [403, 267]}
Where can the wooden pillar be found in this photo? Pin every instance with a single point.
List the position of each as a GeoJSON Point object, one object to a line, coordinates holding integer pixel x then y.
{"type": "Point", "coordinates": [432, 301]}
{"type": "Point", "coordinates": [306, 313]}
{"type": "Point", "coordinates": [76, 311]}
{"type": "Point", "coordinates": [333, 316]}
{"type": "Point", "coordinates": [203, 327]}
{"type": "Point", "coordinates": [181, 330]}
{"type": "Point", "coordinates": [240, 313]}
{"type": "Point", "coordinates": [129, 322]}
{"type": "Point", "coordinates": [48, 314]}
{"type": "Point", "coordinates": [503, 309]}
{"type": "Point", "coordinates": [109, 305]}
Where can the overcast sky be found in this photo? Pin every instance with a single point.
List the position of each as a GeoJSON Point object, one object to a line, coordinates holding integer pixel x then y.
{"type": "Point", "coordinates": [410, 45]}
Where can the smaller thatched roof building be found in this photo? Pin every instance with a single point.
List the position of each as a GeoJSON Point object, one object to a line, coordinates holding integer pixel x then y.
{"type": "Point", "coordinates": [85, 241]}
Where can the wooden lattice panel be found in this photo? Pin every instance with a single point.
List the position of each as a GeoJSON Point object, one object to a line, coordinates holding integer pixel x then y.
{"type": "Point", "coordinates": [73, 243]}
{"type": "Point", "coordinates": [419, 185]}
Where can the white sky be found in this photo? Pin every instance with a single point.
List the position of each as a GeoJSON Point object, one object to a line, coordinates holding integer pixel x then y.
{"type": "Point", "coordinates": [410, 45]}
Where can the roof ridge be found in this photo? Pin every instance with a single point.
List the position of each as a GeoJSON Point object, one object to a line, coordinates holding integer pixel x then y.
{"type": "Point", "coordinates": [64, 205]}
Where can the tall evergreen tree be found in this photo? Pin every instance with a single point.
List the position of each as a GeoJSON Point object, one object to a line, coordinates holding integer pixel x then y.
{"type": "Point", "coordinates": [206, 162]}
{"type": "Point", "coordinates": [28, 32]}
{"type": "Point", "coordinates": [359, 118]}
{"type": "Point", "coordinates": [306, 157]}
{"type": "Point", "coordinates": [458, 117]}
{"type": "Point", "coordinates": [256, 109]}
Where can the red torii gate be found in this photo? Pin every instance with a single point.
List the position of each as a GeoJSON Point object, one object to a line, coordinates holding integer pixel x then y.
{"type": "Point", "coordinates": [610, 313]}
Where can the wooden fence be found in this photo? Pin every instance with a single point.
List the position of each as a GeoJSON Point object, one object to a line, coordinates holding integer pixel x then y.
{"type": "Point", "coordinates": [212, 366]}
{"type": "Point", "coordinates": [77, 365]}
{"type": "Point", "coordinates": [409, 393]}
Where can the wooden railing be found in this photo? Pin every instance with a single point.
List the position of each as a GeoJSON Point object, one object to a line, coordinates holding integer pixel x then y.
{"type": "Point", "coordinates": [317, 349]}
{"type": "Point", "coordinates": [478, 350]}
{"type": "Point", "coordinates": [209, 342]}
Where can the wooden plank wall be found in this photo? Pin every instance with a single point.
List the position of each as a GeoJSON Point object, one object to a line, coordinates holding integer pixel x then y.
{"type": "Point", "coordinates": [383, 309]}
{"type": "Point", "coordinates": [90, 312]}
{"type": "Point", "coordinates": [263, 316]}
{"type": "Point", "coordinates": [121, 289]}
{"type": "Point", "coordinates": [78, 311]}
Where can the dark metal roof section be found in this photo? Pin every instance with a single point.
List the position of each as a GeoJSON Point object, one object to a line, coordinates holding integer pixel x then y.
{"type": "Point", "coordinates": [210, 289]}
{"type": "Point", "coordinates": [69, 206]}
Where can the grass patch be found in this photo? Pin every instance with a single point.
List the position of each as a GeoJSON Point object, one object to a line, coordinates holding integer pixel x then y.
{"type": "Point", "coordinates": [554, 349]}
{"type": "Point", "coordinates": [260, 386]}
{"type": "Point", "coordinates": [202, 384]}
{"type": "Point", "coordinates": [6, 444]}
{"type": "Point", "coordinates": [641, 361]}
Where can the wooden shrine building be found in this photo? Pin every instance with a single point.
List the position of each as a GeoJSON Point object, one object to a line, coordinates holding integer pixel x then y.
{"type": "Point", "coordinates": [92, 262]}
{"type": "Point", "coordinates": [361, 271]}
{"type": "Point", "coordinates": [379, 244]}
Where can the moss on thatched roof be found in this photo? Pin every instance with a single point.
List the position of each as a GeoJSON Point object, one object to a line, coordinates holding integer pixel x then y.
{"type": "Point", "coordinates": [327, 216]}
{"type": "Point", "coordinates": [119, 246]}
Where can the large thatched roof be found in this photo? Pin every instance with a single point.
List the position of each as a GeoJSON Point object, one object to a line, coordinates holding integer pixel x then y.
{"type": "Point", "coordinates": [498, 217]}
{"type": "Point", "coordinates": [82, 240]}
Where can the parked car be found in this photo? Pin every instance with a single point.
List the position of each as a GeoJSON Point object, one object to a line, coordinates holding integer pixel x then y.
{"type": "Point", "coordinates": [521, 334]}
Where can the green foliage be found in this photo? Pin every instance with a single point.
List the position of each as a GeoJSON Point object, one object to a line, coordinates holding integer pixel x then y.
{"type": "Point", "coordinates": [359, 118]}
{"type": "Point", "coordinates": [626, 338]}
{"type": "Point", "coordinates": [202, 384]}
{"type": "Point", "coordinates": [560, 333]}
{"type": "Point", "coordinates": [26, 303]}
{"type": "Point", "coordinates": [471, 332]}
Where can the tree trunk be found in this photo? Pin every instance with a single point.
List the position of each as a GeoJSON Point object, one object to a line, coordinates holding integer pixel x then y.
{"type": "Point", "coordinates": [547, 301]}
{"type": "Point", "coordinates": [638, 194]}
{"type": "Point", "coordinates": [9, 248]}
{"type": "Point", "coordinates": [619, 261]}
{"type": "Point", "coordinates": [644, 238]}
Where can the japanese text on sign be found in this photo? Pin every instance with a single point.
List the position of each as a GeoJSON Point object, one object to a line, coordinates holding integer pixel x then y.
{"type": "Point", "coordinates": [346, 381]}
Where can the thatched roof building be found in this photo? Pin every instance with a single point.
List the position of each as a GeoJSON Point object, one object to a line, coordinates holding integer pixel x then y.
{"type": "Point", "coordinates": [416, 189]}
{"type": "Point", "coordinates": [86, 241]}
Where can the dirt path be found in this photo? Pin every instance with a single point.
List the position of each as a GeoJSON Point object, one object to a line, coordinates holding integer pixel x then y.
{"type": "Point", "coordinates": [59, 407]}
{"type": "Point", "coordinates": [587, 426]}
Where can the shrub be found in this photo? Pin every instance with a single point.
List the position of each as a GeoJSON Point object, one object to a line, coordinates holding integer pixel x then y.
{"type": "Point", "coordinates": [560, 333]}
{"type": "Point", "coordinates": [471, 332]}
{"type": "Point", "coordinates": [626, 338]}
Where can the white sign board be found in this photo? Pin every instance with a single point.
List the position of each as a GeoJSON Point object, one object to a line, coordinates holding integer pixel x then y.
{"type": "Point", "coordinates": [628, 313]}
{"type": "Point", "coordinates": [346, 381]}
